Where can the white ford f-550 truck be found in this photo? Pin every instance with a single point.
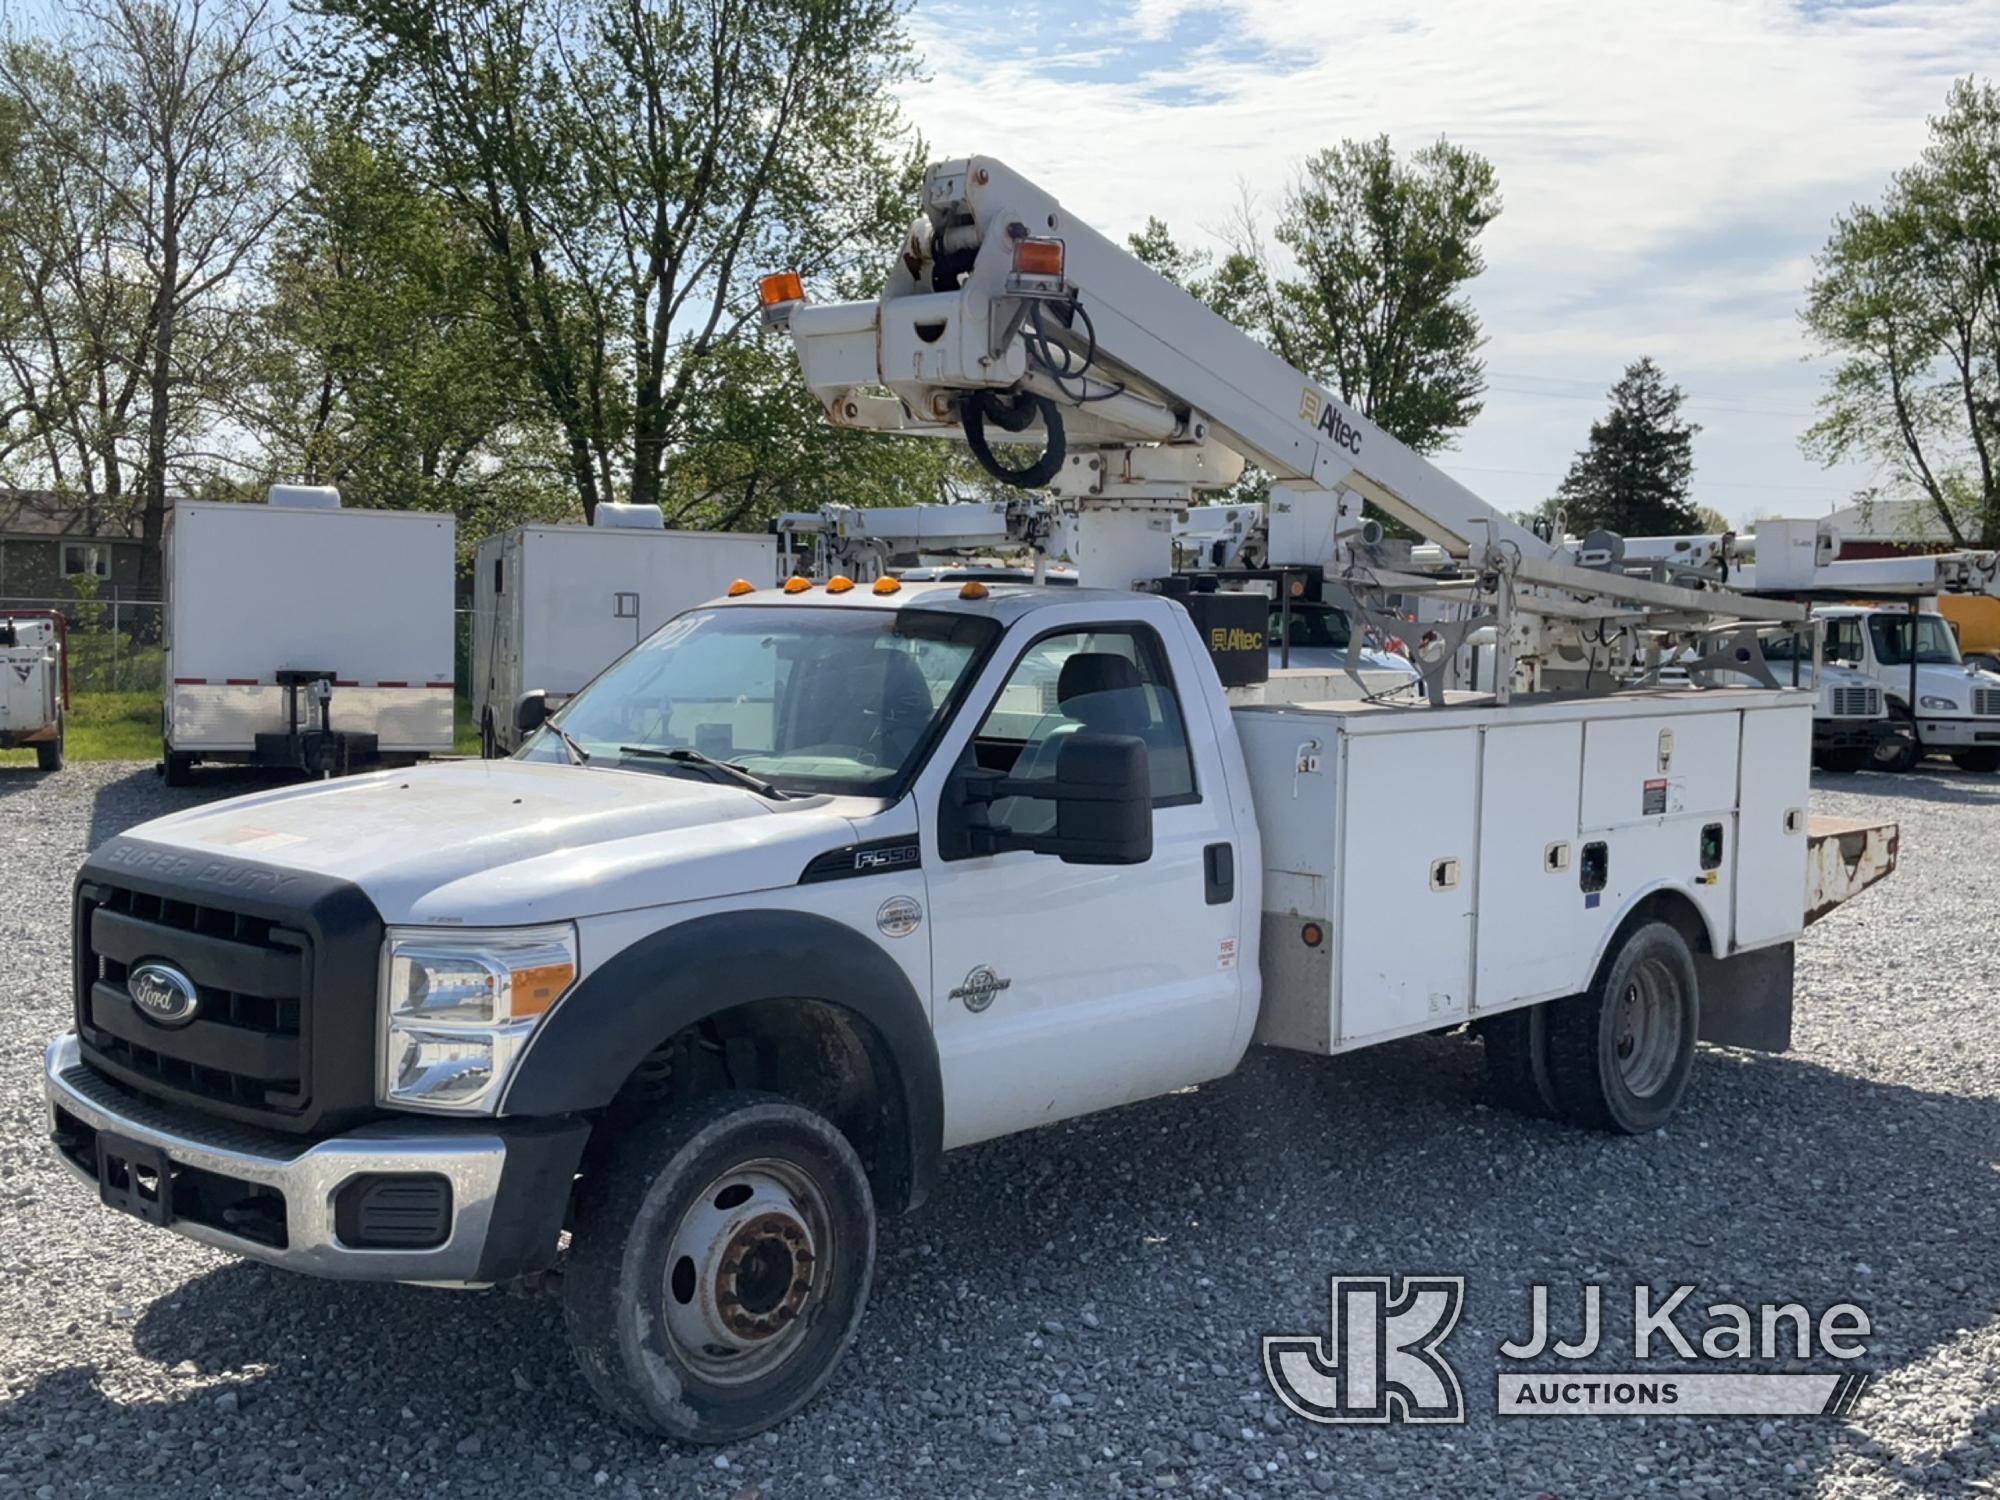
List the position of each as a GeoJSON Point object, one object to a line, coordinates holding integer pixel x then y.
{"type": "Point", "coordinates": [822, 881]}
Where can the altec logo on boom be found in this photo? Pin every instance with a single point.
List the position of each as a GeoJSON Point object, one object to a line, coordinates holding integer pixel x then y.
{"type": "Point", "coordinates": [1325, 415]}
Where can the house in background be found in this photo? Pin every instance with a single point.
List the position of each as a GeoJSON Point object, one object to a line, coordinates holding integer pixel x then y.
{"type": "Point", "coordinates": [1889, 528]}
{"type": "Point", "coordinates": [49, 542]}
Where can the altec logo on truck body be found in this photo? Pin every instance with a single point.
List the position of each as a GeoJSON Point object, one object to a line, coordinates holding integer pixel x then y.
{"type": "Point", "coordinates": [1326, 416]}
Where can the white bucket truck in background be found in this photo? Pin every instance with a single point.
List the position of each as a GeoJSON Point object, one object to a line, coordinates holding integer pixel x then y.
{"type": "Point", "coordinates": [303, 634]}
{"type": "Point", "coordinates": [555, 605]}
{"type": "Point", "coordinates": [34, 684]}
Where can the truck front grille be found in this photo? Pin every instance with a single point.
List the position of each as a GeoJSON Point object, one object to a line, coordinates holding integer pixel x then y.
{"type": "Point", "coordinates": [247, 1043]}
{"type": "Point", "coordinates": [1856, 702]}
{"type": "Point", "coordinates": [1986, 702]}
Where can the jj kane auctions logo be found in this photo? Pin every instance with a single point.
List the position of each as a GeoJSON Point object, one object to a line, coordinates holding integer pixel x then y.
{"type": "Point", "coordinates": [1382, 1358]}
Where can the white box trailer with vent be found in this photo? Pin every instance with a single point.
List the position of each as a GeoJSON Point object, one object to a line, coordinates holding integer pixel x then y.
{"type": "Point", "coordinates": [555, 605]}
{"type": "Point", "coordinates": [302, 633]}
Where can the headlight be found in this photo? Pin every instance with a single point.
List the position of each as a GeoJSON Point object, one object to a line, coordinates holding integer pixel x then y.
{"type": "Point", "coordinates": [458, 1007]}
{"type": "Point", "coordinates": [1947, 704]}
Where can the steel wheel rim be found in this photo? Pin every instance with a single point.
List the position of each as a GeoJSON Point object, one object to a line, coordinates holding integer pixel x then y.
{"type": "Point", "coordinates": [1648, 1025]}
{"type": "Point", "coordinates": [747, 1267]}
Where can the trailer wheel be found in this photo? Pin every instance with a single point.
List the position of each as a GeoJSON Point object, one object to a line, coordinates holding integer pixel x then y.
{"type": "Point", "coordinates": [719, 1266]}
{"type": "Point", "coordinates": [1517, 1060]}
{"type": "Point", "coordinates": [49, 756]}
{"type": "Point", "coordinates": [1982, 761]}
{"type": "Point", "coordinates": [179, 769]}
{"type": "Point", "coordinates": [1620, 1053]}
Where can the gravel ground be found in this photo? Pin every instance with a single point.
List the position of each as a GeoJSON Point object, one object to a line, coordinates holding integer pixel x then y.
{"type": "Point", "coordinates": [1077, 1311]}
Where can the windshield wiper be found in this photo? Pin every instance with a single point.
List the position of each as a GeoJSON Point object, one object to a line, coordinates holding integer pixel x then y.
{"type": "Point", "coordinates": [577, 754]}
{"type": "Point", "coordinates": [726, 769]}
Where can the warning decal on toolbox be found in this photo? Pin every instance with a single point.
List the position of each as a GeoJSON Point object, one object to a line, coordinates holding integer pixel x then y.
{"type": "Point", "coordinates": [1654, 801]}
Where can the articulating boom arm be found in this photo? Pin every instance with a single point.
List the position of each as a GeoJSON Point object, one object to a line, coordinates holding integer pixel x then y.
{"type": "Point", "coordinates": [1012, 324]}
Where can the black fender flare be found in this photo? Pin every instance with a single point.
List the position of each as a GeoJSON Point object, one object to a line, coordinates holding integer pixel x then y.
{"type": "Point", "coordinates": [691, 970]}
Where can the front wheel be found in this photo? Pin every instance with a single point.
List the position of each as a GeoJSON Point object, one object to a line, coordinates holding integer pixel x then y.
{"type": "Point", "coordinates": [719, 1266]}
{"type": "Point", "coordinates": [1620, 1053]}
{"type": "Point", "coordinates": [1983, 761]}
{"type": "Point", "coordinates": [1900, 751]}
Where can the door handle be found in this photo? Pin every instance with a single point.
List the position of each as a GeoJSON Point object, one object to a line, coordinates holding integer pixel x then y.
{"type": "Point", "coordinates": [1218, 872]}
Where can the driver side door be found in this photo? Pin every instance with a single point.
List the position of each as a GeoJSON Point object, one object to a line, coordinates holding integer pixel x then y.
{"type": "Point", "coordinates": [1059, 988]}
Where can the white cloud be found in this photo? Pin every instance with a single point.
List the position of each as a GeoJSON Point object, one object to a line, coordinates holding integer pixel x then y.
{"type": "Point", "coordinates": [1668, 168]}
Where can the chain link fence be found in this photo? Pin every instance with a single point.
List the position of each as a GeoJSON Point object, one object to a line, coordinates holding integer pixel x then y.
{"type": "Point", "coordinates": [114, 644]}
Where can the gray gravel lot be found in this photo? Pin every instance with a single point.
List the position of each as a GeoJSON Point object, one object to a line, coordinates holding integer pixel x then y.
{"type": "Point", "coordinates": [1077, 1311]}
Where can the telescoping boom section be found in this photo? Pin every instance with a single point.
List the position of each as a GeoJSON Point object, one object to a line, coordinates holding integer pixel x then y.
{"type": "Point", "coordinates": [1071, 367]}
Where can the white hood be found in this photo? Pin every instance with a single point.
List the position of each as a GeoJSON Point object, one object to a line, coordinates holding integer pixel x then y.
{"type": "Point", "coordinates": [504, 842]}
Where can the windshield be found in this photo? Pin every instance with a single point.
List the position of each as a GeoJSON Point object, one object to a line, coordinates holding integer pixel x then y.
{"type": "Point", "coordinates": [1313, 625]}
{"type": "Point", "coordinates": [812, 700]}
{"type": "Point", "coordinates": [1936, 645]}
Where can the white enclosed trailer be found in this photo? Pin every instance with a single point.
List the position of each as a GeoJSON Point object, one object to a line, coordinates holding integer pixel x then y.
{"type": "Point", "coordinates": [555, 605]}
{"type": "Point", "coordinates": [34, 684]}
{"type": "Point", "coordinates": [300, 633]}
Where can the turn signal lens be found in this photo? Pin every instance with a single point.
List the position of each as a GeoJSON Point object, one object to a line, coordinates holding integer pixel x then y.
{"type": "Point", "coordinates": [887, 585]}
{"type": "Point", "coordinates": [974, 590]}
{"type": "Point", "coordinates": [1039, 258]}
{"type": "Point", "coordinates": [781, 287]}
{"type": "Point", "coordinates": [741, 587]}
{"type": "Point", "coordinates": [796, 584]}
{"type": "Point", "coordinates": [840, 583]}
{"type": "Point", "coordinates": [1312, 934]}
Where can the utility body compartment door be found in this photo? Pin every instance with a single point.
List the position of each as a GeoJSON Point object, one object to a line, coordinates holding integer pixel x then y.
{"type": "Point", "coordinates": [1771, 830]}
{"type": "Point", "coordinates": [1533, 923]}
{"type": "Point", "coordinates": [1408, 843]}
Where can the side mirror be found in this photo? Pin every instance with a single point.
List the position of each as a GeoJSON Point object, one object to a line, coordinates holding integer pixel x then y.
{"type": "Point", "coordinates": [1103, 796]}
{"type": "Point", "coordinates": [531, 711]}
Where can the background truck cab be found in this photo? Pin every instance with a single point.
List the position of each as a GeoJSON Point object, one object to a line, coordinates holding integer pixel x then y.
{"type": "Point", "coordinates": [1949, 708]}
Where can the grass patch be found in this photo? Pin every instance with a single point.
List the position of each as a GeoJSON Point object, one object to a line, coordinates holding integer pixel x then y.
{"type": "Point", "coordinates": [105, 726]}
{"type": "Point", "coordinates": [126, 726]}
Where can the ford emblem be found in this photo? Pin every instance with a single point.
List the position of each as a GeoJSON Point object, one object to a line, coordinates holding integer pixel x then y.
{"type": "Point", "coordinates": [165, 996]}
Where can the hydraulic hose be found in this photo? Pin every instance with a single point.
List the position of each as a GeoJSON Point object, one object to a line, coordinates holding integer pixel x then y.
{"type": "Point", "coordinates": [1013, 414]}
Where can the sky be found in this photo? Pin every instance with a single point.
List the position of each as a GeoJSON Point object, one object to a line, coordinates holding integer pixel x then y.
{"type": "Point", "coordinates": [1668, 172]}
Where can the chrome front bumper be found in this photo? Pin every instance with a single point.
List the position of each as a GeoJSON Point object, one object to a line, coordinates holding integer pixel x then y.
{"type": "Point", "coordinates": [486, 1239]}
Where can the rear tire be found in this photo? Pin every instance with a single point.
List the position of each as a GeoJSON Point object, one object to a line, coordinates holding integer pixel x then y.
{"type": "Point", "coordinates": [1845, 762]}
{"type": "Point", "coordinates": [719, 1266]}
{"type": "Point", "coordinates": [49, 757]}
{"type": "Point", "coordinates": [1620, 1053]}
{"type": "Point", "coordinates": [1983, 762]}
{"type": "Point", "coordinates": [1517, 1060]}
{"type": "Point", "coordinates": [179, 769]}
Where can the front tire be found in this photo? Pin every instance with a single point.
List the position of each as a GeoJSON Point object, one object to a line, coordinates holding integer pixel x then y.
{"type": "Point", "coordinates": [1620, 1053]}
{"type": "Point", "coordinates": [1901, 751]}
{"type": "Point", "coordinates": [719, 1266]}
{"type": "Point", "coordinates": [1984, 762]}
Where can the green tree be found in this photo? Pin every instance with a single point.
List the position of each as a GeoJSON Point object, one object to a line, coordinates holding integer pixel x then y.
{"type": "Point", "coordinates": [154, 168]}
{"type": "Point", "coordinates": [1632, 477]}
{"type": "Point", "coordinates": [382, 369]}
{"type": "Point", "coordinates": [626, 170]}
{"type": "Point", "coordinates": [1906, 300]}
{"type": "Point", "coordinates": [1377, 310]}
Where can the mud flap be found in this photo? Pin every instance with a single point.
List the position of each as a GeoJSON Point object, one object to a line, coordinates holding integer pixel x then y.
{"type": "Point", "coordinates": [1746, 1000]}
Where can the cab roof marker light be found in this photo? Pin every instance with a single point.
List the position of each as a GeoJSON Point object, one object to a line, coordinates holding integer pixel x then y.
{"type": "Point", "coordinates": [797, 585]}
{"type": "Point", "coordinates": [887, 585]}
{"type": "Point", "coordinates": [840, 583]}
{"type": "Point", "coordinates": [741, 587]}
{"type": "Point", "coordinates": [973, 590]}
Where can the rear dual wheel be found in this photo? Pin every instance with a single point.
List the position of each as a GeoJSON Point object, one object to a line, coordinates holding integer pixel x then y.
{"type": "Point", "coordinates": [1617, 1057]}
